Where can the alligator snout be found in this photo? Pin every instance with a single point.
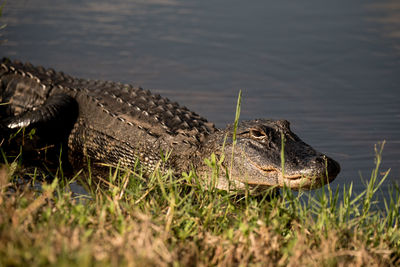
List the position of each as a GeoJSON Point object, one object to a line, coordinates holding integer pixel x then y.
{"type": "Point", "coordinates": [331, 166]}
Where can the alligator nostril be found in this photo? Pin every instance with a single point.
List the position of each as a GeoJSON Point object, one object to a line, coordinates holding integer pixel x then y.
{"type": "Point", "coordinates": [333, 167]}
{"type": "Point", "coordinates": [329, 166]}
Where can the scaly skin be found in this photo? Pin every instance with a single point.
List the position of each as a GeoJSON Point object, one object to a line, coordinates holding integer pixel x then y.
{"type": "Point", "coordinates": [257, 160]}
{"type": "Point", "coordinates": [115, 123]}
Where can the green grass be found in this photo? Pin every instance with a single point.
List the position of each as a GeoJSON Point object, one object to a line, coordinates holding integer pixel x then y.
{"type": "Point", "coordinates": [167, 220]}
{"type": "Point", "coordinates": [164, 220]}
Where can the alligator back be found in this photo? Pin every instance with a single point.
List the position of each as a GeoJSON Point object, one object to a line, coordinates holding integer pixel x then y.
{"type": "Point", "coordinates": [117, 123]}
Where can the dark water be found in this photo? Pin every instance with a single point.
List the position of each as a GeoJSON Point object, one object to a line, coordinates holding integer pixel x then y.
{"type": "Point", "coordinates": [330, 67]}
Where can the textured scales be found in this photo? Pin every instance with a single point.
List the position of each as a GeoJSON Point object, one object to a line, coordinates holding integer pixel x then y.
{"type": "Point", "coordinates": [105, 115]}
{"type": "Point", "coordinates": [116, 123]}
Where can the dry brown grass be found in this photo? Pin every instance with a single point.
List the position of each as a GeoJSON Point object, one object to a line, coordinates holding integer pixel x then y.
{"type": "Point", "coordinates": [162, 222]}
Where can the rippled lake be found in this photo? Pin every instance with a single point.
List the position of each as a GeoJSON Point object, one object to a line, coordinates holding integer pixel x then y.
{"type": "Point", "coordinates": [332, 68]}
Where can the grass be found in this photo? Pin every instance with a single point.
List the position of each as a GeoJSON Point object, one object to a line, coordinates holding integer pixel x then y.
{"type": "Point", "coordinates": [166, 220]}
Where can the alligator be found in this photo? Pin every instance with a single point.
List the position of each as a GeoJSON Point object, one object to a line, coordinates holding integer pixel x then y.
{"type": "Point", "coordinates": [119, 125]}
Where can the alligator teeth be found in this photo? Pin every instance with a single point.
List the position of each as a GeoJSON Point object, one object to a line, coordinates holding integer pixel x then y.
{"type": "Point", "coordinates": [293, 177]}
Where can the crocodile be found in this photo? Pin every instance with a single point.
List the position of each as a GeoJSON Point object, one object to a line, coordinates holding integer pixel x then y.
{"type": "Point", "coordinates": [119, 124]}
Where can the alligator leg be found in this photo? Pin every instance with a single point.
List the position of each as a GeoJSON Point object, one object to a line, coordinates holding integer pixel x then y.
{"type": "Point", "coordinates": [53, 120]}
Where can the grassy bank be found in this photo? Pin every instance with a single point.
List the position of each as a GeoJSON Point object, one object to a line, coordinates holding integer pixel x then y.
{"type": "Point", "coordinates": [168, 220]}
{"type": "Point", "coordinates": [163, 220]}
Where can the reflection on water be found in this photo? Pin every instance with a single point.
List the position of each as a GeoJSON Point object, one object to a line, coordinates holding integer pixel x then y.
{"type": "Point", "coordinates": [331, 68]}
{"type": "Point", "coordinates": [389, 17]}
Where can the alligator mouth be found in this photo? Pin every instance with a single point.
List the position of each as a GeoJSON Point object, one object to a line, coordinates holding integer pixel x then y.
{"type": "Point", "coordinates": [311, 177]}
{"type": "Point", "coordinates": [293, 181]}
{"type": "Point", "coordinates": [271, 170]}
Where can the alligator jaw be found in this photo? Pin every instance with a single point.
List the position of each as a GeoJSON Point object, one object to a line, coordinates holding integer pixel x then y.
{"type": "Point", "coordinates": [311, 178]}
{"type": "Point", "coordinates": [258, 179]}
{"type": "Point", "coordinates": [294, 182]}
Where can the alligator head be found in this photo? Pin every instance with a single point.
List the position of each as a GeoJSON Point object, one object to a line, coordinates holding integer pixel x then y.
{"type": "Point", "coordinates": [256, 160]}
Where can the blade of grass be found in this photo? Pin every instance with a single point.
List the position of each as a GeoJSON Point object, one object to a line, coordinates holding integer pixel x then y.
{"type": "Point", "coordinates": [235, 125]}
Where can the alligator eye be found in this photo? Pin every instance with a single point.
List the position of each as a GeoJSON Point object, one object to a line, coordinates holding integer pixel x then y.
{"type": "Point", "coordinates": [257, 134]}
